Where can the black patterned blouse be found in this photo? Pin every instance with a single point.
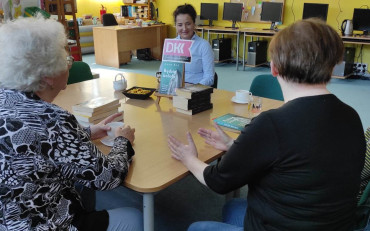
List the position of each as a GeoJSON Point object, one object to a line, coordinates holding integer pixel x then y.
{"type": "Point", "coordinates": [43, 152]}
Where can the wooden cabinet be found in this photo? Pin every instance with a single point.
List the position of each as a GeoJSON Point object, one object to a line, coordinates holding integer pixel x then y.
{"type": "Point", "coordinates": [61, 8]}
{"type": "Point", "coordinates": [134, 8]}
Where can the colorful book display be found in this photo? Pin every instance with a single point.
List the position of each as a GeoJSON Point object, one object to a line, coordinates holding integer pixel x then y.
{"type": "Point", "coordinates": [176, 52]}
{"type": "Point", "coordinates": [172, 77]}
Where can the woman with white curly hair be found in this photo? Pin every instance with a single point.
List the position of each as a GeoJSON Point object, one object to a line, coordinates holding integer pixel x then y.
{"type": "Point", "coordinates": [43, 150]}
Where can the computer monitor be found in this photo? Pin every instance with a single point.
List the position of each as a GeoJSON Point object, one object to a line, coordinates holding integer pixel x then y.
{"type": "Point", "coordinates": [361, 20]}
{"type": "Point", "coordinates": [272, 12]}
{"type": "Point", "coordinates": [209, 11]}
{"type": "Point", "coordinates": [315, 10]}
{"type": "Point", "coordinates": [233, 12]}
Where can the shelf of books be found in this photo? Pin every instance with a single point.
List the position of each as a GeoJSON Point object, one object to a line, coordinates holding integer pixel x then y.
{"type": "Point", "coordinates": [136, 10]}
{"type": "Point", "coordinates": [61, 8]}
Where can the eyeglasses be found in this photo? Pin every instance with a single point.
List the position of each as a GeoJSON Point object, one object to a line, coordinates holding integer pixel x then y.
{"type": "Point", "coordinates": [70, 61]}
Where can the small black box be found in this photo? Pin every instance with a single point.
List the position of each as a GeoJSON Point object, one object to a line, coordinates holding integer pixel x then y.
{"type": "Point", "coordinates": [221, 49]}
{"type": "Point", "coordinates": [257, 53]}
{"type": "Point", "coordinates": [345, 67]}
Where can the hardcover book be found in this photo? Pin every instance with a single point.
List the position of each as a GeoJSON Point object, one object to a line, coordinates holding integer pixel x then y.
{"type": "Point", "coordinates": [98, 112]}
{"type": "Point", "coordinates": [191, 91]}
{"type": "Point", "coordinates": [187, 104]}
{"type": "Point", "coordinates": [87, 124]}
{"type": "Point", "coordinates": [172, 77]}
{"type": "Point", "coordinates": [104, 114]}
{"type": "Point", "coordinates": [93, 105]}
{"type": "Point", "coordinates": [232, 121]}
{"type": "Point", "coordinates": [195, 110]}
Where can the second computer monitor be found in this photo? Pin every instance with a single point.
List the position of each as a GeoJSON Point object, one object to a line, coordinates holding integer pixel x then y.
{"type": "Point", "coordinates": [315, 10]}
{"type": "Point", "coordinates": [209, 11]}
{"type": "Point", "coordinates": [361, 20]}
{"type": "Point", "coordinates": [233, 12]}
{"type": "Point", "coordinates": [272, 12]}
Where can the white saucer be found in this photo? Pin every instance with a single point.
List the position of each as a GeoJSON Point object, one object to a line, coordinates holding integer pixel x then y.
{"type": "Point", "coordinates": [238, 101]}
{"type": "Point", "coordinates": [107, 141]}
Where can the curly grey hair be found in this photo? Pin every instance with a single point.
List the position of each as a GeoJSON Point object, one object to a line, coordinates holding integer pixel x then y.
{"type": "Point", "coordinates": [30, 49]}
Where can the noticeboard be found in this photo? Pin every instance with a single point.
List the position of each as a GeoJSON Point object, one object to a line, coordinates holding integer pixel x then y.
{"type": "Point", "coordinates": [252, 10]}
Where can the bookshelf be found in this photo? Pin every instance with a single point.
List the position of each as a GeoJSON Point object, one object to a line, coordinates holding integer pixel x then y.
{"type": "Point", "coordinates": [63, 8]}
{"type": "Point", "coordinates": [134, 8]}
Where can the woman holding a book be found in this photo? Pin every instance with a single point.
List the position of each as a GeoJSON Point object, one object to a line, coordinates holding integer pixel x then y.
{"type": "Point", "coordinates": [44, 152]}
{"type": "Point", "coordinates": [202, 68]}
{"type": "Point", "coordinates": [302, 162]}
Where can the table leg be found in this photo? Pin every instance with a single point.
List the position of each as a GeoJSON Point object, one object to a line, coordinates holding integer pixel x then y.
{"type": "Point", "coordinates": [244, 52]}
{"type": "Point", "coordinates": [148, 210]}
{"type": "Point", "coordinates": [237, 50]}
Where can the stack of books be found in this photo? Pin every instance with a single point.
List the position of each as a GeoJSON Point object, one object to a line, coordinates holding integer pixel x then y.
{"type": "Point", "coordinates": [192, 99]}
{"type": "Point", "coordinates": [95, 110]}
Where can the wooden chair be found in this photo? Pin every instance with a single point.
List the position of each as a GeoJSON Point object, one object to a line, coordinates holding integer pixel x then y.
{"type": "Point", "coordinates": [80, 71]}
{"type": "Point", "coordinates": [266, 86]}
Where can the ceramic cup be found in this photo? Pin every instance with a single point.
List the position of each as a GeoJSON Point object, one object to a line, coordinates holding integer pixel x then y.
{"type": "Point", "coordinates": [243, 95]}
{"type": "Point", "coordinates": [119, 83]}
{"type": "Point", "coordinates": [113, 127]}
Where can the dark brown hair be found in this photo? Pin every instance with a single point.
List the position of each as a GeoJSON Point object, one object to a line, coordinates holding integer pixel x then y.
{"type": "Point", "coordinates": [185, 9]}
{"type": "Point", "coordinates": [306, 51]}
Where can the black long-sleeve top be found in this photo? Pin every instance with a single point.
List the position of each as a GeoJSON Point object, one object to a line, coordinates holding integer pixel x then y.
{"type": "Point", "coordinates": [302, 163]}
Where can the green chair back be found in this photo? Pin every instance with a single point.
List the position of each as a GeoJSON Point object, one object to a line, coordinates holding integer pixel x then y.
{"type": "Point", "coordinates": [266, 86]}
{"type": "Point", "coordinates": [80, 71]}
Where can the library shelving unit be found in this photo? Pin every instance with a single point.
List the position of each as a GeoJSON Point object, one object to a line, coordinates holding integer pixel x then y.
{"type": "Point", "coordinates": [143, 9]}
{"type": "Point", "coordinates": [61, 8]}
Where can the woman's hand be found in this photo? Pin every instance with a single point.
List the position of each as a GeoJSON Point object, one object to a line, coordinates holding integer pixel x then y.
{"type": "Point", "coordinates": [127, 132]}
{"type": "Point", "coordinates": [100, 130]}
{"type": "Point", "coordinates": [188, 155]}
{"type": "Point", "coordinates": [218, 139]}
{"type": "Point", "coordinates": [183, 152]}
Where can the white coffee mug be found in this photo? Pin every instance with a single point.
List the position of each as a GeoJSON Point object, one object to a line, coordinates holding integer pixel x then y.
{"type": "Point", "coordinates": [243, 96]}
{"type": "Point", "coordinates": [119, 83]}
{"type": "Point", "coordinates": [113, 127]}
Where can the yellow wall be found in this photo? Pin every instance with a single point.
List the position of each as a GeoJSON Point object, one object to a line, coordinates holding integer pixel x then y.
{"type": "Point", "coordinates": [93, 6]}
{"type": "Point", "coordinates": [338, 11]}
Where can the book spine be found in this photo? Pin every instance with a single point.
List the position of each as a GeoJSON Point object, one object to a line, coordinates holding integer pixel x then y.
{"type": "Point", "coordinates": [188, 104]}
{"type": "Point", "coordinates": [228, 125]}
{"type": "Point", "coordinates": [193, 95]}
{"type": "Point", "coordinates": [196, 110]}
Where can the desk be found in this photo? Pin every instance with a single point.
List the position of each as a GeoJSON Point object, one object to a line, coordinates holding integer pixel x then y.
{"type": "Point", "coordinates": [270, 33]}
{"type": "Point", "coordinates": [113, 44]}
{"type": "Point", "coordinates": [356, 40]}
{"type": "Point", "coordinates": [222, 30]}
{"type": "Point", "coordinates": [153, 169]}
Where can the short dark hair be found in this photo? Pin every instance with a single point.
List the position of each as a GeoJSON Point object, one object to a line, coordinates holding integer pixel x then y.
{"type": "Point", "coordinates": [306, 51]}
{"type": "Point", "coordinates": [185, 9]}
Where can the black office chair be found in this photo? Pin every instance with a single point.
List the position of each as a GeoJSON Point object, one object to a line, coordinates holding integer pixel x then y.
{"type": "Point", "coordinates": [215, 81]}
{"type": "Point", "coordinates": [109, 20]}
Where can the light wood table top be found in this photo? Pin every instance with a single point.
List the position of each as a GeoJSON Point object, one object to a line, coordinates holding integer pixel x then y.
{"type": "Point", "coordinates": [153, 168]}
